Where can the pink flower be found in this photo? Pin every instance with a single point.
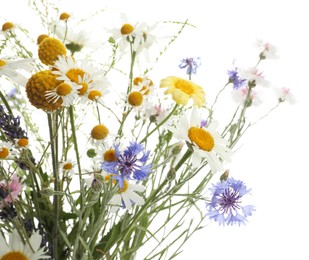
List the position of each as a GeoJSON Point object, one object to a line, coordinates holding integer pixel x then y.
{"type": "Point", "coordinates": [13, 189]}
{"type": "Point", "coordinates": [240, 95]}
{"type": "Point", "coordinates": [284, 94]}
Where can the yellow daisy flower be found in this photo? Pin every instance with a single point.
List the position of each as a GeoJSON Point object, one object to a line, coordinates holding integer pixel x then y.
{"type": "Point", "coordinates": [182, 90]}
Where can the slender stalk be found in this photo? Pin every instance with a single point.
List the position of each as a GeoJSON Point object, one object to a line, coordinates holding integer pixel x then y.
{"type": "Point", "coordinates": [159, 125]}
{"type": "Point", "coordinates": [82, 195]}
{"type": "Point", "coordinates": [56, 187]}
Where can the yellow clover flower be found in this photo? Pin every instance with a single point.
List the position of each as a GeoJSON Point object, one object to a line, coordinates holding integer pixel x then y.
{"type": "Point", "coordinates": [37, 86]}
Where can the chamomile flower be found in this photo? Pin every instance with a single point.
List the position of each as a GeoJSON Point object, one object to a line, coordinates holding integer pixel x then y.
{"type": "Point", "coordinates": [16, 249]}
{"type": "Point", "coordinates": [127, 197]}
{"type": "Point", "coordinates": [67, 69]}
{"type": "Point", "coordinates": [66, 92]}
{"type": "Point", "coordinates": [143, 37]}
{"type": "Point", "coordinates": [22, 143]}
{"type": "Point", "coordinates": [15, 69]}
{"type": "Point", "coordinates": [5, 150]}
{"type": "Point", "coordinates": [206, 142]}
{"type": "Point", "coordinates": [67, 166]}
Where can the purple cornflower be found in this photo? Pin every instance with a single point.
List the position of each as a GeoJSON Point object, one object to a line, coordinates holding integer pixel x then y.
{"type": "Point", "coordinates": [191, 64]}
{"type": "Point", "coordinates": [225, 205]}
{"type": "Point", "coordinates": [235, 79]}
{"type": "Point", "coordinates": [130, 164]}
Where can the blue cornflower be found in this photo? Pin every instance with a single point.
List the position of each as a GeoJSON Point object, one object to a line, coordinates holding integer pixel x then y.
{"type": "Point", "coordinates": [130, 164]}
{"type": "Point", "coordinates": [225, 205]}
{"type": "Point", "coordinates": [235, 79]}
{"type": "Point", "coordinates": [191, 64]}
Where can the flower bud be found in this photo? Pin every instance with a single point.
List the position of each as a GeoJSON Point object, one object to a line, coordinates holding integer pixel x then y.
{"type": "Point", "coordinates": [96, 185]}
{"type": "Point", "coordinates": [91, 153]}
{"type": "Point", "coordinates": [177, 148]}
{"type": "Point", "coordinates": [224, 175]}
{"type": "Point", "coordinates": [171, 175]}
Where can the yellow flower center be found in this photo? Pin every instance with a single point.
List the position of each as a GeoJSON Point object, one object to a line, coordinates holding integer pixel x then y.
{"type": "Point", "coordinates": [64, 16]}
{"type": "Point", "coordinates": [2, 63]}
{"type": "Point", "coordinates": [202, 138]}
{"type": "Point", "coordinates": [185, 86]}
{"type": "Point", "coordinates": [7, 26]}
{"type": "Point", "coordinates": [94, 94]}
{"type": "Point", "coordinates": [83, 89]}
{"type": "Point", "coordinates": [99, 132]}
{"type": "Point", "coordinates": [110, 155]}
{"type": "Point", "coordinates": [73, 74]}
{"type": "Point", "coordinates": [23, 142]}
{"type": "Point", "coordinates": [67, 166]}
{"type": "Point", "coordinates": [135, 98]}
{"type": "Point", "coordinates": [126, 29]}
{"type": "Point", "coordinates": [4, 152]}
{"type": "Point", "coordinates": [137, 80]}
{"type": "Point", "coordinates": [41, 38]}
{"type": "Point", "coordinates": [14, 255]}
{"type": "Point", "coordinates": [64, 89]}
{"type": "Point", "coordinates": [124, 188]}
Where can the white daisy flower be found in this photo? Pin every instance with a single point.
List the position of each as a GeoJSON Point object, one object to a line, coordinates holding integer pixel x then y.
{"type": "Point", "coordinates": [143, 37]}
{"type": "Point", "coordinates": [12, 69]}
{"type": "Point", "coordinates": [80, 73]}
{"type": "Point", "coordinates": [6, 150]}
{"type": "Point", "coordinates": [205, 140]}
{"type": "Point", "coordinates": [66, 91]}
{"type": "Point", "coordinates": [16, 249]}
{"type": "Point", "coordinates": [127, 197]}
{"type": "Point", "coordinates": [67, 166]}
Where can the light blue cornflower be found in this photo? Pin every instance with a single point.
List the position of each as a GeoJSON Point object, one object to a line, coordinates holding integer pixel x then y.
{"type": "Point", "coordinates": [235, 79]}
{"type": "Point", "coordinates": [130, 164]}
{"type": "Point", "coordinates": [225, 206]}
{"type": "Point", "coordinates": [191, 64]}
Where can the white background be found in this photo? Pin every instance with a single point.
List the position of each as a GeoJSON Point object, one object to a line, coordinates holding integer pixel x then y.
{"type": "Point", "coordinates": [273, 155]}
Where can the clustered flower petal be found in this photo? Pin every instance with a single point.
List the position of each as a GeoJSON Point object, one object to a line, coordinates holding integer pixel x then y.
{"type": "Point", "coordinates": [191, 64]}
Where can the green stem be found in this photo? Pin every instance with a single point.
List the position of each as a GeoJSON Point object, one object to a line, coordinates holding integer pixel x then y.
{"type": "Point", "coordinates": [56, 187]}
{"type": "Point", "coordinates": [80, 223]}
{"type": "Point", "coordinates": [161, 123]}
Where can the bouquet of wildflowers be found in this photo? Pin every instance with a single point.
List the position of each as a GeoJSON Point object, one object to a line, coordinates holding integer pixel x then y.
{"type": "Point", "coordinates": [98, 159]}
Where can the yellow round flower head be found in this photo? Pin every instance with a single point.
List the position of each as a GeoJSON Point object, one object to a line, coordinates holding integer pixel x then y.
{"type": "Point", "coordinates": [64, 16]}
{"type": "Point", "coordinates": [7, 26]}
{"type": "Point", "coordinates": [110, 155]}
{"type": "Point", "coordinates": [4, 152]}
{"type": "Point", "coordinates": [41, 38]}
{"type": "Point", "coordinates": [202, 138]}
{"type": "Point", "coordinates": [182, 90]}
{"type": "Point", "coordinates": [2, 63]}
{"type": "Point", "coordinates": [50, 49]}
{"type": "Point", "coordinates": [99, 132]}
{"type": "Point", "coordinates": [94, 94]}
{"type": "Point", "coordinates": [126, 29]}
{"type": "Point", "coordinates": [135, 98]}
{"type": "Point", "coordinates": [36, 87]}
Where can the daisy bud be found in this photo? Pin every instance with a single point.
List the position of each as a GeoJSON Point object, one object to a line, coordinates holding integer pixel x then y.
{"type": "Point", "coordinates": [171, 175]}
{"type": "Point", "coordinates": [91, 153]}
